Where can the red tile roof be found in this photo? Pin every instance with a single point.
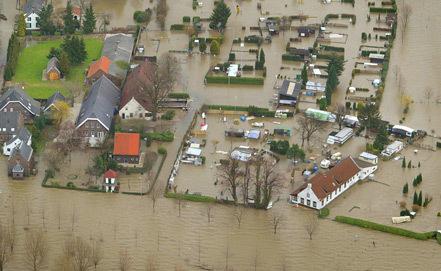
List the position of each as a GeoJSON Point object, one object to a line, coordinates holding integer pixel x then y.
{"type": "Point", "coordinates": [323, 184]}
{"type": "Point", "coordinates": [110, 174]}
{"type": "Point", "coordinates": [140, 74]}
{"type": "Point", "coordinates": [126, 144]}
{"type": "Point", "coordinates": [102, 64]}
{"type": "Point", "coordinates": [76, 10]}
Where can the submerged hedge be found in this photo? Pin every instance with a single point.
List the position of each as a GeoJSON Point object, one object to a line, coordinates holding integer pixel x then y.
{"type": "Point", "coordinates": [234, 80]}
{"type": "Point", "coordinates": [384, 228]}
{"type": "Point", "coordinates": [189, 197]}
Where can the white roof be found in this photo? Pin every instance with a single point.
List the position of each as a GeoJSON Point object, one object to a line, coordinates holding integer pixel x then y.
{"type": "Point", "coordinates": [193, 151]}
{"type": "Point", "coordinates": [378, 56]}
{"type": "Point", "coordinates": [368, 156]}
{"type": "Point", "coordinates": [394, 145]}
{"type": "Point", "coordinates": [232, 70]}
{"type": "Point", "coordinates": [404, 128]}
{"type": "Point", "coordinates": [316, 71]}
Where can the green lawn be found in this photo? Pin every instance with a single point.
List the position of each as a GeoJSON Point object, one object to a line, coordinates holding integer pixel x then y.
{"type": "Point", "coordinates": [33, 60]}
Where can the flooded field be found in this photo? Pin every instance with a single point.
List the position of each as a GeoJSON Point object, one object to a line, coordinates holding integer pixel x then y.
{"type": "Point", "coordinates": [198, 236]}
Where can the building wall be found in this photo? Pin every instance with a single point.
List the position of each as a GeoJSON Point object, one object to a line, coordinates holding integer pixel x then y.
{"type": "Point", "coordinates": [53, 75]}
{"type": "Point", "coordinates": [126, 159]}
{"type": "Point", "coordinates": [100, 73]}
{"type": "Point", "coordinates": [134, 110]}
{"type": "Point", "coordinates": [92, 132]}
{"type": "Point", "coordinates": [31, 21]}
{"type": "Point", "coordinates": [17, 107]}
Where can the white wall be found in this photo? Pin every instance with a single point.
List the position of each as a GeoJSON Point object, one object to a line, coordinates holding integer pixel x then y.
{"type": "Point", "coordinates": [132, 110]}
{"type": "Point", "coordinates": [31, 21]}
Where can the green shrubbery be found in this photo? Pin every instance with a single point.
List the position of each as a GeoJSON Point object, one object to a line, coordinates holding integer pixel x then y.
{"type": "Point", "coordinates": [323, 213]}
{"type": "Point", "coordinates": [290, 57]}
{"type": "Point", "coordinates": [179, 95]}
{"type": "Point", "coordinates": [186, 19]}
{"type": "Point", "coordinates": [169, 115]}
{"type": "Point", "coordinates": [162, 151]}
{"type": "Point", "coordinates": [234, 80]}
{"type": "Point", "coordinates": [177, 27]}
{"type": "Point", "coordinates": [382, 10]}
{"type": "Point", "coordinates": [166, 136]}
{"type": "Point", "coordinates": [189, 197]}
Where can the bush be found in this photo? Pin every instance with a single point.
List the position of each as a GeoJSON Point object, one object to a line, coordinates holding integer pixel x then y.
{"type": "Point", "coordinates": [196, 19]}
{"type": "Point", "coordinates": [166, 136]}
{"type": "Point", "coordinates": [177, 27]}
{"type": "Point", "coordinates": [70, 185]}
{"type": "Point", "coordinates": [214, 47]}
{"type": "Point", "coordinates": [332, 48]}
{"type": "Point", "coordinates": [232, 57]}
{"type": "Point", "coordinates": [141, 16]}
{"type": "Point", "coordinates": [382, 10]}
{"type": "Point", "coordinates": [234, 80]}
{"type": "Point", "coordinates": [247, 68]}
{"type": "Point", "coordinates": [290, 57]}
{"type": "Point", "coordinates": [253, 39]}
{"type": "Point", "coordinates": [405, 189]}
{"type": "Point", "coordinates": [280, 147]}
{"type": "Point", "coordinates": [323, 213]}
{"type": "Point", "coordinates": [186, 19]}
{"type": "Point", "coordinates": [384, 228]}
{"type": "Point", "coordinates": [169, 115]}
{"type": "Point", "coordinates": [162, 151]}
{"type": "Point", "coordinates": [190, 197]}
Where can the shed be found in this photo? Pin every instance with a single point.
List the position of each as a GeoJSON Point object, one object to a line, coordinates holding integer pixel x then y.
{"type": "Point", "coordinates": [52, 69]}
{"type": "Point", "coordinates": [289, 92]}
{"type": "Point", "coordinates": [376, 58]}
{"type": "Point", "coordinates": [196, 152]}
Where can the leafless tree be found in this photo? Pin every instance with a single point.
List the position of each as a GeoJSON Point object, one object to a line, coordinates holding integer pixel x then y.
{"type": "Point", "coordinates": [428, 94]}
{"type": "Point", "coordinates": [67, 138]}
{"type": "Point", "coordinates": [76, 90]}
{"type": "Point", "coordinates": [404, 14]}
{"type": "Point", "coordinates": [245, 185]}
{"type": "Point", "coordinates": [258, 180]}
{"type": "Point", "coordinates": [238, 214]}
{"type": "Point", "coordinates": [36, 248]}
{"type": "Point", "coordinates": [276, 219]}
{"type": "Point", "coordinates": [158, 79]}
{"type": "Point", "coordinates": [78, 253]}
{"type": "Point", "coordinates": [311, 225]}
{"type": "Point", "coordinates": [161, 13]}
{"type": "Point", "coordinates": [209, 214]}
{"type": "Point", "coordinates": [307, 128]}
{"type": "Point", "coordinates": [151, 264]}
{"type": "Point", "coordinates": [156, 193]}
{"type": "Point", "coordinates": [5, 246]}
{"type": "Point", "coordinates": [229, 175]}
{"type": "Point", "coordinates": [340, 112]}
{"type": "Point", "coordinates": [271, 180]}
{"type": "Point", "coordinates": [96, 253]}
{"type": "Point", "coordinates": [125, 261]}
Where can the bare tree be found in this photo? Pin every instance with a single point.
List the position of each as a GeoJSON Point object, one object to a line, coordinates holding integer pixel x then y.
{"type": "Point", "coordinates": [67, 138]}
{"type": "Point", "coordinates": [78, 253]}
{"type": "Point", "coordinates": [245, 185]}
{"type": "Point", "coordinates": [276, 219]}
{"type": "Point", "coordinates": [428, 94]}
{"type": "Point", "coordinates": [209, 214]}
{"type": "Point", "coordinates": [271, 180]}
{"type": "Point", "coordinates": [76, 90]}
{"type": "Point", "coordinates": [405, 13]}
{"type": "Point", "coordinates": [307, 128]}
{"type": "Point", "coordinates": [96, 253]}
{"type": "Point", "coordinates": [238, 214]}
{"type": "Point", "coordinates": [156, 193]}
{"type": "Point", "coordinates": [151, 264]}
{"type": "Point", "coordinates": [340, 112]}
{"type": "Point", "coordinates": [125, 261]}
{"type": "Point", "coordinates": [36, 248]}
{"type": "Point", "coordinates": [311, 225]}
{"type": "Point", "coordinates": [158, 79]}
{"type": "Point", "coordinates": [161, 13]}
{"type": "Point", "coordinates": [229, 174]}
{"type": "Point", "coordinates": [5, 246]}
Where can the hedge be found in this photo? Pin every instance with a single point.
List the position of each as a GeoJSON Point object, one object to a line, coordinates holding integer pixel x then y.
{"type": "Point", "coordinates": [186, 19]}
{"type": "Point", "coordinates": [49, 174]}
{"type": "Point", "coordinates": [189, 197]}
{"type": "Point", "coordinates": [234, 80]}
{"type": "Point", "coordinates": [177, 27]}
{"type": "Point", "coordinates": [252, 110]}
{"type": "Point", "coordinates": [165, 136]}
{"type": "Point", "coordinates": [253, 39]}
{"type": "Point", "coordinates": [290, 57]}
{"type": "Point", "coordinates": [323, 213]}
{"type": "Point", "coordinates": [332, 48]}
{"type": "Point", "coordinates": [348, 1]}
{"type": "Point", "coordinates": [382, 10]}
{"type": "Point", "coordinates": [384, 228]}
{"type": "Point", "coordinates": [179, 95]}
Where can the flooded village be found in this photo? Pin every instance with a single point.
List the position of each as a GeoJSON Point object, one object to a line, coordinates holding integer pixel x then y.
{"type": "Point", "coordinates": [220, 135]}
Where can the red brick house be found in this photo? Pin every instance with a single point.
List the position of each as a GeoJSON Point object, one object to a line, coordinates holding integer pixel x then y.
{"type": "Point", "coordinates": [16, 100]}
{"type": "Point", "coordinates": [21, 162]}
{"type": "Point", "coordinates": [126, 148]}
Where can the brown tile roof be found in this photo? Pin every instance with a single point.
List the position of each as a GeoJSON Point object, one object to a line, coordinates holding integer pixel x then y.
{"type": "Point", "coordinates": [132, 86]}
{"type": "Point", "coordinates": [324, 183]}
{"type": "Point", "coordinates": [102, 64]}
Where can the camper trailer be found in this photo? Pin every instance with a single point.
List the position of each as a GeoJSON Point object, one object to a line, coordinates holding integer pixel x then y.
{"type": "Point", "coordinates": [340, 137]}
{"type": "Point", "coordinates": [403, 131]}
{"type": "Point", "coordinates": [393, 148]}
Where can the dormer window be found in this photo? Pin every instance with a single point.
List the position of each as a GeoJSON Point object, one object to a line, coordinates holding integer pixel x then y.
{"type": "Point", "coordinates": [12, 129]}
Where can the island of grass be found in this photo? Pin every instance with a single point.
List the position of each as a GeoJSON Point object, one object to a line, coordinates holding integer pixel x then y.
{"type": "Point", "coordinates": [33, 60]}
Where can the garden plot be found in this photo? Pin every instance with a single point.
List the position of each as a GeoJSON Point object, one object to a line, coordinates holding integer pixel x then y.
{"type": "Point", "coordinates": [364, 89]}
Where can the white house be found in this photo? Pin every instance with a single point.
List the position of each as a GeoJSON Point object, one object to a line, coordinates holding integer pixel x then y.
{"type": "Point", "coordinates": [31, 10]}
{"type": "Point", "coordinates": [326, 186]}
{"type": "Point", "coordinates": [110, 182]}
{"type": "Point", "coordinates": [23, 137]}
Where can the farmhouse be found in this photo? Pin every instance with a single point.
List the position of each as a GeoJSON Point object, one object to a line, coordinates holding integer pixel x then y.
{"type": "Point", "coordinates": [21, 162]}
{"type": "Point", "coordinates": [10, 124]}
{"type": "Point", "coordinates": [126, 148]}
{"type": "Point", "coordinates": [31, 10]}
{"type": "Point", "coordinates": [324, 187]}
{"type": "Point", "coordinates": [15, 99]}
{"type": "Point", "coordinates": [134, 102]}
{"type": "Point", "coordinates": [289, 92]}
{"type": "Point", "coordinates": [96, 113]}
{"type": "Point", "coordinates": [52, 69]}
{"type": "Point", "coordinates": [22, 137]}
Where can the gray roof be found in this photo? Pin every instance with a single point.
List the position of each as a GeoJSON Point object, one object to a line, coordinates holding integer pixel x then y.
{"type": "Point", "coordinates": [16, 94]}
{"type": "Point", "coordinates": [118, 48]}
{"type": "Point", "coordinates": [24, 135]}
{"type": "Point", "coordinates": [52, 63]}
{"type": "Point", "coordinates": [24, 150]}
{"type": "Point", "coordinates": [101, 103]}
{"type": "Point", "coordinates": [57, 96]}
{"type": "Point", "coordinates": [9, 120]}
{"type": "Point", "coordinates": [32, 6]}
{"type": "Point", "coordinates": [290, 88]}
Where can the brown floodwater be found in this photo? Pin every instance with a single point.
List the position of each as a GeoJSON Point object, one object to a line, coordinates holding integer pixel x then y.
{"type": "Point", "coordinates": [188, 241]}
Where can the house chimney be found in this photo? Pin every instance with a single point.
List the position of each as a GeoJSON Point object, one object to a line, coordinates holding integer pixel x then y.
{"type": "Point", "coordinates": [309, 186]}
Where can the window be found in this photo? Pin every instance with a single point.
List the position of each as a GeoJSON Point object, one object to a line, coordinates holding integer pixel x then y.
{"type": "Point", "coordinates": [294, 198]}
{"type": "Point", "coordinates": [308, 202]}
{"type": "Point", "coordinates": [12, 129]}
{"type": "Point", "coordinates": [302, 201]}
{"type": "Point", "coordinates": [307, 195]}
{"type": "Point", "coordinates": [314, 204]}
{"type": "Point", "coordinates": [11, 109]}
{"type": "Point", "coordinates": [344, 185]}
{"type": "Point", "coordinates": [28, 25]}
{"type": "Point", "coordinates": [131, 115]}
{"type": "Point", "coordinates": [140, 115]}
{"type": "Point", "coordinates": [146, 115]}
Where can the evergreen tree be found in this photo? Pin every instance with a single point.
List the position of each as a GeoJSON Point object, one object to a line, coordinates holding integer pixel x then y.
{"type": "Point", "coordinates": [75, 49]}
{"type": "Point", "coordinates": [21, 25]}
{"type": "Point", "coordinates": [382, 138]}
{"type": "Point", "coordinates": [405, 188]}
{"type": "Point", "coordinates": [415, 198]}
{"type": "Point", "coordinates": [70, 24]}
{"type": "Point", "coordinates": [409, 165]}
{"type": "Point", "coordinates": [202, 46]}
{"type": "Point", "coordinates": [214, 47]}
{"type": "Point", "coordinates": [304, 75]}
{"type": "Point", "coordinates": [190, 45]}
{"type": "Point", "coordinates": [262, 57]}
{"type": "Point", "coordinates": [44, 20]}
{"type": "Point", "coordinates": [219, 17]}
{"type": "Point", "coordinates": [420, 199]}
{"type": "Point", "coordinates": [369, 116]}
{"type": "Point", "coordinates": [64, 63]}
{"type": "Point", "coordinates": [89, 22]}
{"type": "Point", "coordinates": [54, 52]}
{"type": "Point", "coordinates": [403, 162]}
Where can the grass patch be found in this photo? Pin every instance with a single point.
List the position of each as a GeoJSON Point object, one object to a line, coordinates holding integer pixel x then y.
{"type": "Point", "coordinates": [33, 60]}
{"type": "Point", "coordinates": [384, 228]}
{"type": "Point", "coordinates": [323, 213]}
{"type": "Point", "coordinates": [189, 197]}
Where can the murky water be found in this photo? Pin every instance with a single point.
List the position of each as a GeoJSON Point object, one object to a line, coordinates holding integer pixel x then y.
{"type": "Point", "coordinates": [189, 241]}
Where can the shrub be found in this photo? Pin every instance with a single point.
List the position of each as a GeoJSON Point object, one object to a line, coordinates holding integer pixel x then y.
{"type": "Point", "coordinates": [70, 185]}
{"type": "Point", "coordinates": [384, 228]}
{"type": "Point", "coordinates": [403, 163]}
{"type": "Point", "coordinates": [169, 115]}
{"type": "Point", "coordinates": [203, 158]}
{"type": "Point", "coordinates": [290, 57]}
{"type": "Point", "coordinates": [253, 39]}
{"type": "Point", "coordinates": [332, 48]}
{"type": "Point", "coordinates": [214, 47]}
{"type": "Point", "coordinates": [382, 10]}
{"type": "Point", "coordinates": [162, 151]}
{"type": "Point", "coordinates": [141, 16]}
{"type": "Point", "coordinates": [232, 57]}
{"type": "Point", "coordinates": [405, 188]}
{"type": "Point", "coordinates": [247, 68]}
{"type": "Point", "coordinates": [280, 147]}
{"type": "Point", "coordinates": [409, 165]}
{"type": "Point", "coordinates": [179, 95]}
{"type": "Point", "coordinates": [196, 19]}
{"type": "Point", "coordinates": [166, 136]}
{"type": "Point", "coordinates": [234, 80]}
{"type": "Point", "coordinates": [190, 197]}
{"type": "Point", "coordinates": [323, 213]}
{"type": "Point", "coordinates": [186, 19]}
{"type": "Point", "coordinates": [177, 27]}
{"type": "Point", "coordinates": [405, 213]}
